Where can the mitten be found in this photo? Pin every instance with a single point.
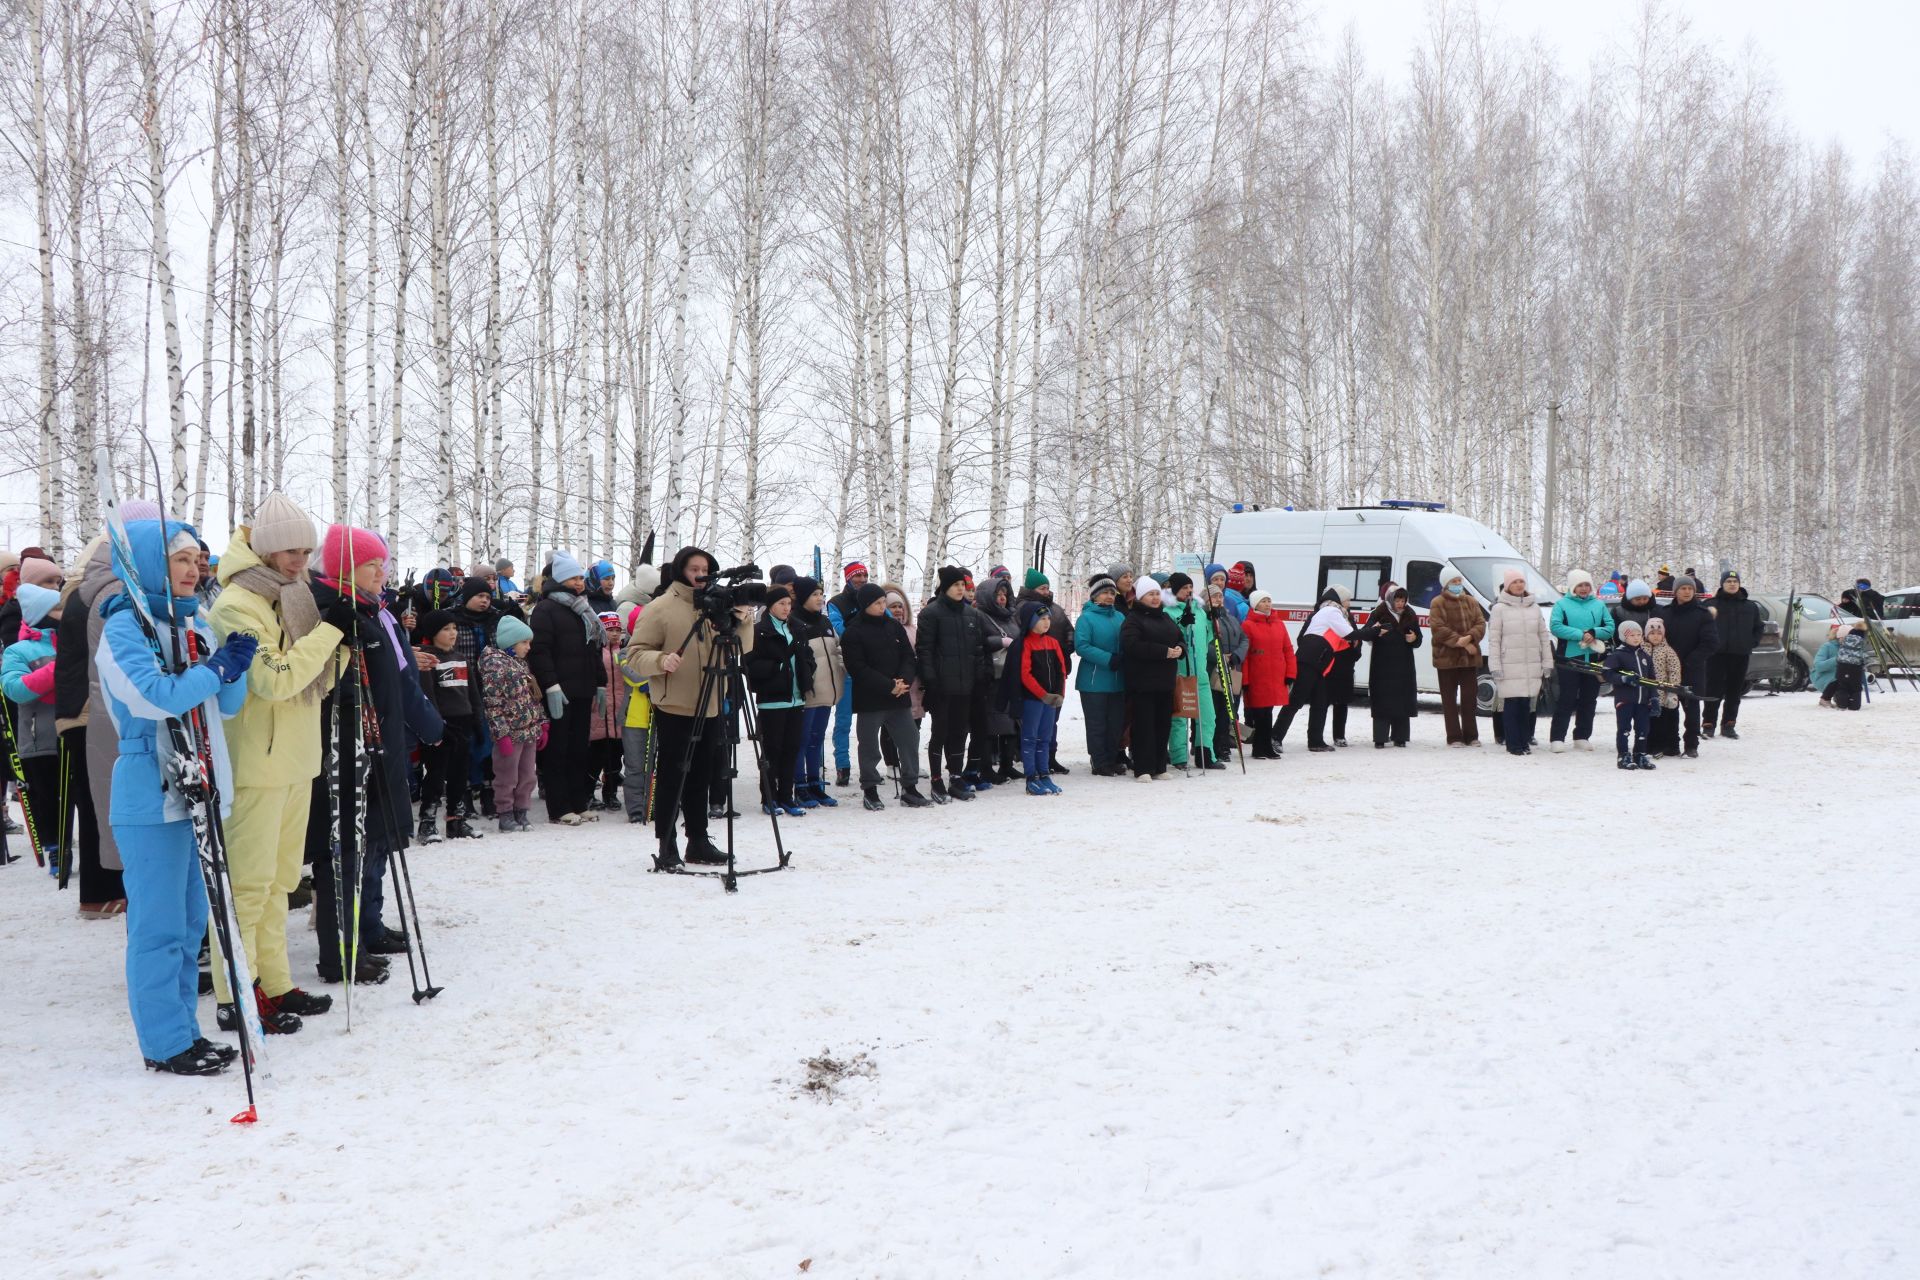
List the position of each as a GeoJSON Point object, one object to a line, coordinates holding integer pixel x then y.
{"type": "Point", "coordinates": [339, 614]}
{"type": "Point", "coordinates": [232, 659]}
{"type": "Point", "coordinates": [556, 703]}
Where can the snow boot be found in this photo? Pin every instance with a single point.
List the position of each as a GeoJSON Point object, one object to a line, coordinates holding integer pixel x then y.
{"type": "Point", "coordinates": [299, 1002]}
{"type": "Point", "coordinates": [1036, 786]}
{"type": "Point", "coordinates": [870, 799]}
{"type": "Point", "coordinates": [668, 859]}
{"type": "Point", "coordinates": [703, 853]}
{"type": "Point", "coordinates": [938, 789]}
{"type": "Point", "coordinates": [1728, 731]}
{"type": "Point", "coordinates": [429, 830]}
{"type": "Point", "coordinates": [193, 1061]}
{"type": "Point", "coordinates": [273, 1020]}
{"type": "Point", "coordinates": [369, 971]}
{"type": "Point", "coordinates": [508, 824]}
{"type": "Point", "coordinates": [912, 798]}
{"type": "Point", "coordinates": [486, 803]}
{"type": "Point", "coordinates": [820, 796]}
{"type": "Point", "coordinates": [803, 795]}
{"type": "Point", "coordinates": [1643, 761]}
{"type": "Point", "coordinates": [1053, 788]}
{"type": "Point", "coordinates": [959, 790]}
{"type": "Point", "coordinates": [1054, 766]}
{"type": "Point", "coordinates": [458, 829]}
{"type": "Point", "coordinates": [843, 777]}
{"type": "Point", "coordinates": [521, 821]}
{"type": "Point", "coordinates": [1626, 762]}
{"type": "Point", "coordinates": [224, 1052]}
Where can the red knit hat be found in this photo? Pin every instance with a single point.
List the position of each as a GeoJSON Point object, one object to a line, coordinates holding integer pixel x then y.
{"type": "Point", "coordinates": [852, 568]}
{"type": "Point", "coordinates": [1237, 579]}
{"type": "Point", "coordinates": [345, 547]}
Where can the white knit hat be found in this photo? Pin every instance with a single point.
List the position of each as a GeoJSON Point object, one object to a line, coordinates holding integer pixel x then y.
{"type": "Point", "coordinates": [280, 525]}
{"type": "Point", "coordinates": [1144, 587]}
{"type": "Point", "coordinates": [1578, 578]}
{"type": "Point", "coordinates": [1254, 598]}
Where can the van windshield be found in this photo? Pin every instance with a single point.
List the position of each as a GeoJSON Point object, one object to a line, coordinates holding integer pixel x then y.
{"type": "Point", "coordinates": [1483, 573]}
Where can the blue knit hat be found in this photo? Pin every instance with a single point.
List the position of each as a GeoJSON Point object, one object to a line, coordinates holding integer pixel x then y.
{"type": "Point", "coordinates": [511, 632]}
{"type": "Point", "coordinates": [35, 602]}
{"type": "Point", "coordinates": [1637, 588]}
{"type": "Point", "coordinates": [565, 566]}
{"type": "Point", "coordinates": [1207, 574]}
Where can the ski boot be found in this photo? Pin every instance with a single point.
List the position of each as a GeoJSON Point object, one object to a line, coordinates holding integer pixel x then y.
{"type": "Point", "coordinates": [429, 830]}
{"type": "Point", "coordinates": [192, 1061]}
{"type": "Point", "coordinates": [938, 789]}
{"type": "Point", "coordinates": [668, 859]}
{"type": "Point", "coordinates": [870, 799]}
{"type": "Point", "coordinates": [1054, 766]}
{"type": "Point", "coordinates": [912, 798]}
{"type": "Point", "coordinates": [703, 853]}
{"type": "Point", "coordinates": [1046, 780]}
{"type": "Point", "coordinates": [804, 794]}
{"type": "Point", "coordinates": [1037, 786]}
{"type": "Point", "coordinates": [976, 780]}
{"type": "Point", "coordinates": [959, 790]}
{"type": "Point", "coordinates": [388, 942]}
{"type": "Point", "coordinates": [820, 796]}
{"type": "Point", "coordinates": [794, 811]}
{"type": "Point", "coordinates": [273, 1020]}
{"type": "Point", "coordinates": [296, 1001]}
{"type": "Point", "coordinates": [224, 1052]}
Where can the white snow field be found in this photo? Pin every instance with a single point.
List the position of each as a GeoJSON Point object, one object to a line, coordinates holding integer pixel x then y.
{"type": "Point", "coordinates": [1421, 1013]}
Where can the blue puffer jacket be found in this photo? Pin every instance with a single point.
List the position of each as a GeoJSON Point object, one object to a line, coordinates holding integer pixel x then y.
{"type": "Point", "coordinates": [139, 692]}
{"type": "Point", "coordinates": [1096, 642]}
{"type": "Point", "coordinates": [1571, 619]}
{"type": "Point", "coordinates": [34, 729]}
{"type": "Point", "coordinates": [1826, 665]}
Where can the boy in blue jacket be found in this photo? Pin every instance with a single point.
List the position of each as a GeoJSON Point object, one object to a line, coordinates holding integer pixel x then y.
{"type": "Point", "coordinates": [166, 896]}
{"type": "Point", "coordinates": [1629, 667]}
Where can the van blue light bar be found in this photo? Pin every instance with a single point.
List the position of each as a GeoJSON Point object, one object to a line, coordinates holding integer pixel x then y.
{"type": "Point", "coordinates": [1412, 504]}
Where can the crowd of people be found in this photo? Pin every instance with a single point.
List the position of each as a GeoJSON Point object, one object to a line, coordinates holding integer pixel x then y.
{"type": "Point", "coordinates": [333, 700]}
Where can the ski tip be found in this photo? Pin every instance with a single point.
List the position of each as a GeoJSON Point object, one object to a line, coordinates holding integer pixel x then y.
{"type": "Point", "coordinates": [250, 1116]}
{"type": "Point", "coordinates": [420, 997]}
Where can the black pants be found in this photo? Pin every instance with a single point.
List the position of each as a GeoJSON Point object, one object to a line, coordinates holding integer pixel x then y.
{"type": "Point", "coordinates": [780, 733]}
{"type": "Point", "coordinates": [1665, 738]}
{"type": "Point", "coordinates": [372, 871]}
{"type": "Point", "coordinates": [1264, 746]}
{"type": "Point", "coordinates": [1690, 712]}
{"type": "Point", "coordinates": [43, 798]}
{"type": "Point", "coordinates": [680, 783]}
{"type": "Point", "coordinates": [1318, 701]}
{"type": "Point", "coordinates": [1845, 690]}
{"type": "Point", "coordinates": [1340, 691]}
{"type": "Point", "coordinates": [1106, 717]}
{"type": "Point", "coordinates": [562, 765]}
{"type": "Point", "coordinates": [981, 745]}
{"type": "Point", "coordinates": [948, 718]}
{"type": "Point", "coordinates": [1390, 728]}
{"type": "Point", "coordinates": [448, 768]}
{"type": "Point", "coordinates": [720, 770]}
{"type": "Point", "coordinates": [1632, 714]}
{"type": "Point", "coordinates": [1152, 715]}
{"type": "Point", "coordinates": [1727, 681]}
{"type": "Point", "coordinates": [1519, 722]}
{"type": "Point", "coordinates": [1579, 694]}
{"type": "Point", "coordinates": [1225, 731]}
{"type": "Point", "coordinates": [97, 883]}
{"type": "Point", "coordinates": [606, 764]}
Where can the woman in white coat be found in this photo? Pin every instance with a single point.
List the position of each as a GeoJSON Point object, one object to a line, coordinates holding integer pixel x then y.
{"type": "Point", "coordinates": [1519, 656]}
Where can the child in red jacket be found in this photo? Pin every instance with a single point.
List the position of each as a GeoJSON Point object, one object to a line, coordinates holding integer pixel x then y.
{"type": "Point", "coordinates": [1041, 690]}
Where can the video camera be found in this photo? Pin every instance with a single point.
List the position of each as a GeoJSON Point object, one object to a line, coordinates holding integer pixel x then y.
{"type": "Point", "coordinates": [726, 591]}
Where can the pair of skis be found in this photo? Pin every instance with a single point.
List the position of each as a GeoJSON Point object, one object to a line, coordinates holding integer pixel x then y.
{"type": "Point", "coordinates": [1600, 673]}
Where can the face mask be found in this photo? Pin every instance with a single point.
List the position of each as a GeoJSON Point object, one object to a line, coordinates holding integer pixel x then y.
{"type": "Point", "coordinates": [1456, 589]}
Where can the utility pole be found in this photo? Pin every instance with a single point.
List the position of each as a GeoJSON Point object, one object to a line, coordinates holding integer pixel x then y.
{"type": "Point", "coordinates": [1553, 489]}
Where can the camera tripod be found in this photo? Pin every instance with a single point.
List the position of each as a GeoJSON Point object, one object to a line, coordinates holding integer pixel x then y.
{"type": "Point", "coordinates": [722, 672]}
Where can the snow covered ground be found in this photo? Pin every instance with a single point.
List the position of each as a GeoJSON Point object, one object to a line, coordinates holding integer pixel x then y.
{"type": "Point", "coordinates": [1381, 1014]}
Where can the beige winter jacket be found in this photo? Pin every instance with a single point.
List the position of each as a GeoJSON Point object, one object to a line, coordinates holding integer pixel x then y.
{"type": "Point", "coordinates": [661, 628]}
{"type": "Point", "coordinates": [1519, 646]}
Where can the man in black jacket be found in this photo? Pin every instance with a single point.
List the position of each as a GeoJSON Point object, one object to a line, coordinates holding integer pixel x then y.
{"type": "Point", "coordinates": [567, 661]}
{"type": "Point", "coordinates": [953, 652]}
{"type": "Point", "coordinates": [1691, 632]}
{"type": "Point", "coordinates": [1737, 621]}
{"type": "Point", "coordinates": [880, 672]}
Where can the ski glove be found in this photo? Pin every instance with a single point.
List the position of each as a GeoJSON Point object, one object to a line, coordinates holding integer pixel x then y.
{"type": "Point", "coordinates": [339, 615]}
{"type": "Point", "coordinates": [231, 660]}
{"type": "Point", "coordinates": [556, 703]}
{"type": "Point", "coordinates": [1056, 700]}
{"type": "Point", "coordinates": [1630, 678]}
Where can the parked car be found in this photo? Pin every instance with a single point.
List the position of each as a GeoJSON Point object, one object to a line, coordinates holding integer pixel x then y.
{"type": "Point", "coordinates": [1903, 622]}
{"type": "Point", "coordinates": [1768, 666]}
{"type": "Point", "coordinates": [1798, 638]}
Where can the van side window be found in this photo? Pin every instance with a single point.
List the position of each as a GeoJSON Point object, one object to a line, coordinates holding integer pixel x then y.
{"type": "Point", "coordinates": [1359, 576]}
{"type": "Point", "coordinates": [1423, 582]}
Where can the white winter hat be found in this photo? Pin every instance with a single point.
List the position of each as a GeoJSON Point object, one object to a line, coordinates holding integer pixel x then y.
{"type": "Point", "coordinates": [1629, 626]}
{"type": "Point", "coordinates": [279, 524]}
{"type": "Point", "coordinates": [1578, 578]}
{"type": "Point", "coordinates": [1508, 574]}
{"type": "Point", "coordinates": [1254, 598]}
{"type": "Point", "coordinates": [1144, 587]}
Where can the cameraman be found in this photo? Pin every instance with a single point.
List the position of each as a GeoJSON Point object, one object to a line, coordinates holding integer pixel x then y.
{"type": "Point", "coordinates": [670, 653]}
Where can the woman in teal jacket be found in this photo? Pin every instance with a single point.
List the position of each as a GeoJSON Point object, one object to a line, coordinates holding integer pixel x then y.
{"type": "Point", "coordinates": [1826, 663]}
{"type": "Point", "coordinates": [1098, 676]}
{"type": "Point", "coordinates": [1581, 627]}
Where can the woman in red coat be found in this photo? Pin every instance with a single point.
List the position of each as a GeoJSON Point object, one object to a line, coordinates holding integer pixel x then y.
{"type": "Point", "coordinates": [1270, 669]}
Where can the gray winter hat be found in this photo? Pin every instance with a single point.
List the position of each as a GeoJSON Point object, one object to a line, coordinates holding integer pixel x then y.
{"type": "Point", "coordinates": [1118, 571]}
{"type": "Point", "coordinates": [1101, 582]}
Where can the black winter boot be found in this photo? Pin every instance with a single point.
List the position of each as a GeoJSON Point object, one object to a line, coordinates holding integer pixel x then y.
{"type": "Point", "coordinates": [938, 789]}
{"type": "Point", "coordinates": [668, 859]}
{"type": "Point", "coordinates": [843, 777]}
{"type": "Point", "coordinates": [1626, 761]}
{"type": "Point", "coordinates": [429, 830]}
{"type": "Point", "coordinates": [1643, 761]}
{"type": "Point", "coordinates": [870, 799]}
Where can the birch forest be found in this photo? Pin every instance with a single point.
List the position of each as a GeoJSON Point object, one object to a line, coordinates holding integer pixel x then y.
{"type": "Point", "coordinates": [915, 280]}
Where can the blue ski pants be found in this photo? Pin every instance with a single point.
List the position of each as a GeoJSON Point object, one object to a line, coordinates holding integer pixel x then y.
{"type": "Point", "coordinates": [1037, 725]}
{"type": "Point", "coordinates": [166, 918]}
{"type": "Point", "coordinates": [843, 729]}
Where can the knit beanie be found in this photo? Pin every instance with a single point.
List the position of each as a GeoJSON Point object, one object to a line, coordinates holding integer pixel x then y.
{"type": "Point", "coordinates": [502, 565]}
{"type": "Point", "coordinates": [1117, 571]}
{"type": "Point", "coordinates": [565, 566]}
{"type": "Point", "coordinates": [1237, 579]}
{"type": "Point", "coordinates": [1175, 581]}
{"type": "Point", "coordinates": [781, 574]}
{"type": "Point", "coordinates": [1101, 582]}
{"type": "Point", "coordinates": [1035, 580]}
{"type": "Point", "coordinates": [1031, 612]}
{"type": "Point", "coordinates": [867, 593]}
{"type": "Point", "coordinates": [1145, 587]}
{"type": "Point", "coordinates": [280, 525]}
{"type": "Point", "coordinates": [1638, 588]}
{"type": "Point", "coordinates": [1213, 569]}
{"type": "Point", "coordinates": [1254, 599]}
{"type": "Point", "coordinates": [343, 548]}
{"type": "Point", "coordinates": [853, 567]}
{"type": "Point", "coordinates": [36, 572]}
{"type": "Point", "coordinates": [950, 574]}
{"type": "Point", "coordinates": [647, 578]}
{"type": "Point", "coordinates": [511, 632]}
{"type": "Point", "coordinates": [471, 587]}
{"type": "Point", "coordinates": [1578, 578]}
{"type": "Point", "coordinates": [431, 623]}
{"type": "Point", "coordinates": [1000, 571]}
{"type": "Point", "coordinates": [803, 589]}
{"type": "Point", "coordinates": [36, 603]}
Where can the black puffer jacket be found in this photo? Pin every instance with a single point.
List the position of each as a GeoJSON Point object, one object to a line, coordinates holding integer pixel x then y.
{"type": "Point", "coordinates": [1145, 637]}
{"type": "Point", "coordinates": [952, 648]}
{"type": "Point", "coordinates": [1691, 632]}
{"type": "Point", "coordinates": [561, 654]}
{"type": "Point", "coordinates": [877, 652]}
{"type": "Point", "coordinates": [779, 667]}
{"type": "Point", "coordinates": [1737, 619]}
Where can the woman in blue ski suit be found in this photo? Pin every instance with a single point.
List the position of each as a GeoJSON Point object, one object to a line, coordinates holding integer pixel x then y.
{"type": "Point", "coordinates": [166, 897]}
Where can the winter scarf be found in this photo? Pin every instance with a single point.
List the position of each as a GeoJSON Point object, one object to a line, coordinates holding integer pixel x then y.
{"type": "Point", "coordinates": [298, 612]}
{"type": "Point", "coordinates": [596, 634]}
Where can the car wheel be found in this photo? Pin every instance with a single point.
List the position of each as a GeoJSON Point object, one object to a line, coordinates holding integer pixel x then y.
{"type": "Point", "coordinates": [1796, 678]}
{"type": "Point", "coordinates": [1486, 695]}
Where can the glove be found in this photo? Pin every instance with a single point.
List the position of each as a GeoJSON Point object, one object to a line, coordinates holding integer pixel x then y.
{"type": "Point", "coordinates": [506, 746]}
{"type": "Point", "coordinates": [340, 615]}
{"type": "Point", "coordinates": [232, 659]}
{"type": "Point", "coordinates": [1056, 700]}
{"type": "Point", "coordinates": [556, 703]}
{"type": "Point", "coordinates": [541, 743]}
{"type": "Point", "coordinates": [1493, 672]}
{"type": "Point", "coordinates": [1630, 679]}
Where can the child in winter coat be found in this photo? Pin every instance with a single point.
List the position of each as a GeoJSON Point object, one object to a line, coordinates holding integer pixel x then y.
{"type": "Point", "coordinates": [606, 755]}
{"type": "Point", "coordinates": [1628, 667]}
{"type": "Point", "coordinates": [636, 729]}
{"type": "Point", "coordinates": [1850, 667]}
{"type": "Point", "coordinates": [1826, 663]}
{"type": "Point", "coordinates": [27, 673]}
{"type": "Point", "coordinates": [516, 718]}
{"type": "Point", "coordinates": [166, 897]}
{"type": "Point", "coordinates": [456, 696]}
{"type": "Point", "coordinates": [1041, 691]}
{"type": "Point", "coordinates": [1667, 670]}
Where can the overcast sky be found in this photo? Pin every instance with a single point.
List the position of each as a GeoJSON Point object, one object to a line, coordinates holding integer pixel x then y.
{"type": "Point", "coordinates": [1846, 68]}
